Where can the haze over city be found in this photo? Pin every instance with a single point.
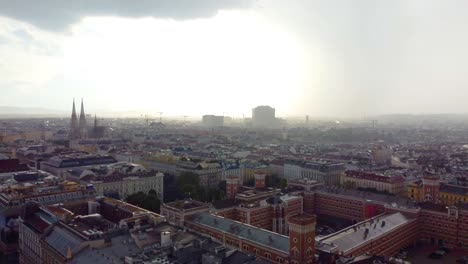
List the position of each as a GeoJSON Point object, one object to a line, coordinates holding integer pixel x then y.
{"type": "Point", "coordinates": [233, 132]}
{"type": "Point", "coordinates": [318, 58]}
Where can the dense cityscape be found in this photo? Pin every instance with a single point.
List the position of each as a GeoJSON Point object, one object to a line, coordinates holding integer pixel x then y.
{"type": "Point", "coordinates": [233, 132]}
{"type": "Point", "coordinates": [219, 190]}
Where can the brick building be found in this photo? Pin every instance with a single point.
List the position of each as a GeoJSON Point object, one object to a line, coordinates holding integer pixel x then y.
{"type": "Point", "coordinates": [72, 232]}
{"type": "Point", "coordinates": [264, 244]}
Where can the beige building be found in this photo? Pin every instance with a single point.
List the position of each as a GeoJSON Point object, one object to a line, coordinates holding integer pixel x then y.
{"type": "Point", "coordinates": [363, 179]}
{"type": "Point", "coordinates": [127, 184]}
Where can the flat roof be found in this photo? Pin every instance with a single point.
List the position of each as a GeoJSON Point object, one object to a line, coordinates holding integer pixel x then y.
{"type": "Point", "coordinates": [186, 204]}
{"type": "Point", "coordinates": [354, 236]}
{"type": "Point", "coordinates": [401, 202]}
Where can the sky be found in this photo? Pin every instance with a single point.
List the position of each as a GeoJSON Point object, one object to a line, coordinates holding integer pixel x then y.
{"type": "Point", "coordinates": [181, 57]}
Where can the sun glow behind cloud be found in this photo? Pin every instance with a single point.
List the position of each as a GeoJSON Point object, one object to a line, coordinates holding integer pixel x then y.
{"type": "Point", "coordinates": [228, 63]}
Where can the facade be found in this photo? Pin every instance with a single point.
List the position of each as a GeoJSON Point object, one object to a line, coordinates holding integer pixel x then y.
{"type": "Point", "coordinates": [327, 172]}
{"type": "Point", "coordinates": [430, 189]}
{"type": "Point", "coordinates": [232, 187]}
{"type": "Point", "coordinates": [127, 184]}
{"type": "Point", "coordinates": [263, 116]}
{"type": "Point", "coordinates": [302, 239]}
{"type": "Point", "coordinates": [363, 179]}
{"type": "Point", "coordinates": [213, 121]}
{"type": "Point", "coordinates": [261, 243]}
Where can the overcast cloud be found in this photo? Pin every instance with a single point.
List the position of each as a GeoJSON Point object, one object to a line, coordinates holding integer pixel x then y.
{"type": "Point", "coordinates": [57, 15]}
{"type": "Point", "coordinates": [346, 58]}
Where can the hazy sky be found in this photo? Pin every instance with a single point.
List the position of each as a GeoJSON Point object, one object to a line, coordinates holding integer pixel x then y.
{"type": "Point", "coordinates": [185, 57]}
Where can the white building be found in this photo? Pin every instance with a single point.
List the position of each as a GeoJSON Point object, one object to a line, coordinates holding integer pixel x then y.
{"type": "Point", "coordinates": [125, 185]}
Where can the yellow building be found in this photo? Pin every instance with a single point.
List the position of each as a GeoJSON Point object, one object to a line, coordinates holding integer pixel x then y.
{"type": "Point", "coordinates": [446, 194]}
{"type": "Point", "coordinates": [453, 194]}
{"type": "Point", "coordinates": [415, 191]}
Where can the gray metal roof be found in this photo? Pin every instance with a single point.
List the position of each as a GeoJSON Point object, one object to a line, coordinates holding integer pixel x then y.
{"type": "Point", "coordinates": [61, 240]}
{"type": "Point", "coordinates": [120, 248]}
{"type": "Point", "coordinates": [248, 232]}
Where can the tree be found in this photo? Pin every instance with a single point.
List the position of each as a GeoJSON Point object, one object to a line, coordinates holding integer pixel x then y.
{"type": "Point", "coordinates": [222, 186]}
{"type": "Point", "coordinates": [187, 178]}
{"type": "Point", "coordinates": [272, 181]}
{"type": "Point", "coordinates": [250, 182]}
{"type": "Point", "coordinates": [283, 183]}
{"type": "Point", "coordinates": [148, 201]}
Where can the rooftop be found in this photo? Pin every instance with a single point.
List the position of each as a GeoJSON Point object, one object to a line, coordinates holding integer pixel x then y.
{"type": "Point", "coordinates": [62, 241]}
{"type": "Point", "coordinates": [251, 233]}
{"type": "Point", "coordinates": [186, 204]}
{"type": "Point", "coordinates": [76, 160]}
{"type": "Point", "coordinates": [369, 196]}
{"type": "Point", "coordinates": [455, 189]}
{"type": "Point", "coordinates": [363, 232]}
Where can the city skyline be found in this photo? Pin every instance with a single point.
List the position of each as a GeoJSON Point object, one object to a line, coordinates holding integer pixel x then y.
{"type": "Point", "coordinates": [317, 58]}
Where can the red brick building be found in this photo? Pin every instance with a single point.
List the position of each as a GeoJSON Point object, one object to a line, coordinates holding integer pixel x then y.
{"type": "Point", "coordinates": [264, 244]}
{"type": "Point", "coordinates": [302, 239]}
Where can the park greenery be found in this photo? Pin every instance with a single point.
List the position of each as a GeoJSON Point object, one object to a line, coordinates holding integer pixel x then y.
{"type": "Point", "coordinates": [272, 181]}
{"type": "Point", "coordinates": [149, 201]}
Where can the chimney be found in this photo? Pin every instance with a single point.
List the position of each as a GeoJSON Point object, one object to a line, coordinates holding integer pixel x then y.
{"type": "Point", "coordinates": [69, 253]}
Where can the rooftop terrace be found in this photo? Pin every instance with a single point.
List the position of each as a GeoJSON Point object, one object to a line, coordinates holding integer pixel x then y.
{"type": "Point", "coordinates": [363, 232]}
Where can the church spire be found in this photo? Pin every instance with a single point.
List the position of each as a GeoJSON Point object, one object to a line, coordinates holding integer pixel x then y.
{"type": "Point", "coordinates": [82, 124]}
{"type": "Point", "coordinates": [95, 121]}
{"type": "Point", "coordinates": [74, 123]}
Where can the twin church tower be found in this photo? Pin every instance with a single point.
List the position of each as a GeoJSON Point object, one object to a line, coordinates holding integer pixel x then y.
{"type": "Point", "coordinates": [78, 130]}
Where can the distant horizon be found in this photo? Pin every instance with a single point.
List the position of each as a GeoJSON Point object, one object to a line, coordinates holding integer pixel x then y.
{"type": "Point", "coordinates": [21, 112]}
